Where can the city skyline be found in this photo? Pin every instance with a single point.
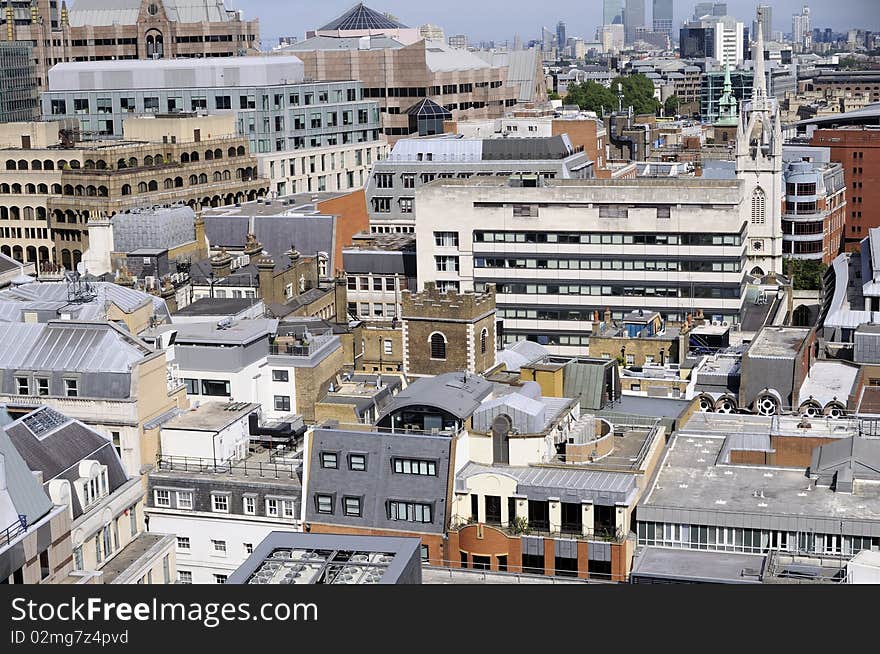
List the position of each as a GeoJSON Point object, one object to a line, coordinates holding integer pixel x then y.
{"type": "Point", "coordinates": [498, 25]}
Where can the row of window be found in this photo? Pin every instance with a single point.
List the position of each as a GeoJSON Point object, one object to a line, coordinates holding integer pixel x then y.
{"type": "Point", "coordinates": [40, 386]}
{"type": "Point", "coordinates": [106, 540]}
{"type": "Point", "coordinates": [395, 509]}
{"type": "Point", "coordinates": [209, 387]}
{"type": "Point", "coordinates": [604, 238]}
{"type": "Point", "coordinates": [380, 310]}
{"type": "Point", "coordinates": [695, 291]}
{"type": "Point", "coordinates": [607, 264]}
{"type": "Point", "coordinates": [358, 463]}
{"type": "Point", "coordinates": [380, 283]}
{"type": "Point", "coordinates": [273, 507]}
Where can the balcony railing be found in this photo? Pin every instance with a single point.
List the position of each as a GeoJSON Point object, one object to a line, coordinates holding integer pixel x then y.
{"type": "Point", "coordinates": [544, 528]}
{"type": "Point", "coordinates": [272, 467]}
{"type": "Point", "coordinates": [13, 531]}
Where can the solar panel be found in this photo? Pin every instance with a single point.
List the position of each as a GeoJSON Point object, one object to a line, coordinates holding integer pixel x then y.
{"type": "Point", "coordinates": [44, 420]}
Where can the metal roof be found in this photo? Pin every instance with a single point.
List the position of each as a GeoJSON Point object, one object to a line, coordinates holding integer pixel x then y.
{"type": "Point", "coordinates": [22, 493]}
{"type": "Point", "coordinates": [125, 12]}
{"type": "Point", "coordinates": [829, 381]}
{"type": "Point", "coordinates": [361, 17]}
{"type": "Point", "coordinates": [453, 392]}
{"type": "Point", "coordinates": [69, 346]}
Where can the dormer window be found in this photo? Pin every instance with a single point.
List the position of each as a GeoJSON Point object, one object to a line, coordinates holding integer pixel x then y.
{"type": "Point", "coordinates": [92, 483]}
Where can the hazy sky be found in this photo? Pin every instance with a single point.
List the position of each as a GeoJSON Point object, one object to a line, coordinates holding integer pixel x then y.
{"type": "Point", "coordinates": [500, 19]}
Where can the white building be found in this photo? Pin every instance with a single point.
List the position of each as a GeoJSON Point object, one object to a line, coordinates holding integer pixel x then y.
{"type": "Point", "coordinates": [729, 41]}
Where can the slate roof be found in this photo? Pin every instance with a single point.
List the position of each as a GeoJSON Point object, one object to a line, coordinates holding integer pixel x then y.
{"type": "Point", "coordinates": [448, 392]}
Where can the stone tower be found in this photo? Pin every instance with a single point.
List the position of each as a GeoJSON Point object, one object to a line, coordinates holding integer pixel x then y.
{"type": "Point", "coordinates": [759, 165]}
{"type": "Point", "coordinates": [447, 332]}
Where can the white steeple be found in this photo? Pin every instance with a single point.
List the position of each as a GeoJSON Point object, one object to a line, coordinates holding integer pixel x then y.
{"type": "Point", "coordinates": [759, 85]}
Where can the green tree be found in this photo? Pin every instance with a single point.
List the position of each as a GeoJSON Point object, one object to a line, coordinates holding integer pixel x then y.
{"type": "Point", "coordinates": [591, 96]}
{"type": "Point", "coordinates": [638, 93]}
{"type": "Point", "coordinates": [670, 107]}
{"type": "Point", "coordinates": [806, 274]}
{"type": "Point", "coordinates": [553, 95]}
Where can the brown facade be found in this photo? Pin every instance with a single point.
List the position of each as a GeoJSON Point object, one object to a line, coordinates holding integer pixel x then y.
{"type": "Point", "coordinates": [858, 151]}
{"type": "Point", "coordinates": [436, 551]}
{"type": "Point", "coordinates": [447, 332]}
{"type": "Point", "coordinates": [351, 218]}
{"type": "Point", "coordinates": [153, 34]}
{"type": "Point", "coordinates": [586, 134]}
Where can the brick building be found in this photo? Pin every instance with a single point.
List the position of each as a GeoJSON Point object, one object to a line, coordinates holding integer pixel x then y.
{"type": "Point", "coordinates": [446, 332]}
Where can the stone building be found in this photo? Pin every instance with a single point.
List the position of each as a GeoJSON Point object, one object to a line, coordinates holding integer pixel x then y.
{"type": "Point", "coordinates": [97, 30]}
{"type": "Point", "coordinates": [61, 186]}
{"type": "Point", "coordinates": [448, 331]}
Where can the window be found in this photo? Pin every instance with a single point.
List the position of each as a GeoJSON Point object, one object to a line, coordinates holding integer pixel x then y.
{"type": "Point", "coordinates": [22, 385]}
{"type": "Point", "coordinates": [184, 577]}
{"type": "Point", "coordinates": [424, 552]}
{"type": "Point", "coordinates": [415, 467]}
{"type": "Point", "coordinates": [387, 346]}
{"type": "Point", "coordinates": [409, 511]}
{"type": "Point", "coordinates": [279, 376]}
{"type": "Point", "coordinates": [219, 546]}
{"type": "Point", "coordinates": [272, 508]}
{"type": "Point", "coordinates": [438, 346]}
{"type": "Point", "coordinates": [183, 543]}
{"type": "Point", "coordinates": [132, 520]}
{"type": "Point", "coordinates": [759, 202]}
{"type": "Point", "coordinates": [216, 388]}
{"type": "Point", "coordinates": [71, 388]}
{"type": "Point", "coordinates": [162, 498]}
{"type": "Point", "coordinates": [249, 504]}
{"type": "Point", "coordinates": [219, 503]}
{"type": "Point", "coordinates": [184, 500]}
{"type": "Point", "coordinates": [324, 503]}
{"type": "Point", "coordinates": [248, 548]}
{"type": "Point", "coordinates": [446, 239]}
{"type": "Point", "coordinates": [282, 403]}
{"type": "Point", "coordinates": [352, 506]}
{"type": "Point", "coordinates": [329, 460]}
{"type": "Point", "coordinates": [192, 386]}
{"type": "Point", "coordinates": [42, 386]}
{"type": "Point", "coordinates": [446, 263]}
{"type": "Point", "coordinates": [484, 336]}
{"type": "Point", "coordinates": [288, 508]}
{"type": "Point", "coordinates": [357, 462]}
{"type": "Point", "coordinates": [406, 205]}
{"type": "Point", "coordinates": [220, 579]}
{"type": "Point", "coordinates": [78, 558]}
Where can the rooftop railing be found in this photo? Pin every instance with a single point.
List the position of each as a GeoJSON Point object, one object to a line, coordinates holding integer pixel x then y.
{"type": "Point", "coordinates": [271, 466]}
{"type": "Point", "coordinates": [13, 531]}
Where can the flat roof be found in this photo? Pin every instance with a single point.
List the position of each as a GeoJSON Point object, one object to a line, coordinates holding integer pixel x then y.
{"type": "Point", "coordinates": [211, 416]}
{"type": "Point", "coordinates": [697, 566]}
{"type": "Point", "coordinates": [778, 342]}
{"type": "Point", "coordinates": [217, 306]}
{"type": "Point", "coordinates": [240, 332]}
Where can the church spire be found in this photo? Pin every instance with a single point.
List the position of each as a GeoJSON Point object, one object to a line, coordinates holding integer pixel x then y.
{"type": "Point", "coordinates": [759, 88]}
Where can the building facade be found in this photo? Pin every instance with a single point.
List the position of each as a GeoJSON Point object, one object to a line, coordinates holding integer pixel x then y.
{"type": "Point", "coordinates": [815, 211]}
{"type": "Point", "coordinates": [94, 30]}
{"type": "Point", "coordinates": [19, 100]}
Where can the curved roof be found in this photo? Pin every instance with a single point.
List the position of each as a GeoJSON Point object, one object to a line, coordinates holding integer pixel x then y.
{"type": "Point", "coordinates": [361, 17]}
{"type": "Point", "coordinates": [452, 392]}
{"type": "Point", "coordinates": [125, 12]}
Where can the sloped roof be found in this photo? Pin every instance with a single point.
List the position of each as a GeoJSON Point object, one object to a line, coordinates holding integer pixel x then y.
{"type": "Point", "coordinates": [427, 107]}
{"type": "Point", "coordinates": [57, 451]}
{"type": "Point", "coordinates": [125, 12]}
{"type": "Point", "coordinates": [23, 494]}
{"type": "Point", "coordinates": [450, 392]}
{"type": "Point", "coordinates": [859, 456]}
{"type": "Point", "coordinates": [361, 17]}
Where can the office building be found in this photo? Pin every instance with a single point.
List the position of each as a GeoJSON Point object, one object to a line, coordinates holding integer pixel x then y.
{"type": "Point", "coordinates": [712, 90]}
{"type": "Point", "coordinates": [308, 137]}
{"type": "Point", "coordinates": [561, 40]}
{"type": "Point", "coordinates": [100, 30]}
{"type": "Point", "coordinates": [612, 12]}
{"type": "Point", "coordinates": [82, 472]}
{"type": "Point", "coordinates": [455, 79]}
{"type": "Point", "coordinates": [611, 37]}
{"type": "Point", "coordinates": [510, 235]}
{"type": "Point", "coordinates": [662, 16]}
{"type": "Point", "coordinates": [429, 33]}
{"type": "Point", "coordinates": [815, 209]}
{"type": "Point", "coordinates": [702, 9]}
{"type": "Point", "coordinates": [19, 98]}
{"type": "Point", "coordinates": [379, 268]}
{"type": "Point", "coordinates": [393, 185]}
{"type": "Point", "coordinates": [459, 41]}
{"type": "Point", "coordinates": [284, 558]}
{"type": "Point", "coordinates": [766, 22]}
{"type": "Point", "coordinates": [722, 38]}
{"type": "Point", "coordinates": [801, 30]}
{"type": "Point", "coordinates": [633, 18]}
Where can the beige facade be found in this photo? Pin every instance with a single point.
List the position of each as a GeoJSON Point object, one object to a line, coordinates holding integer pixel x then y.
{"type": "Point", "coordinates": [51, 194]}
{"type": "Point", "coordinates": [60, 34]}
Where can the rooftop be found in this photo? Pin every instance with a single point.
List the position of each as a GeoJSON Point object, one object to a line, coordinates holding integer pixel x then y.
{"type": "Point", "coordinates": [455, 392]}
{"type": "Point", "coordinates": [236, 332]}
{"type": "Point", "coordinates": [216, 306]}
{"type": "Point", "coordinates": [694, 566]}
{"type": "Point", "coordinates": [211, 416]}
{"type": "Point", "coordinates": [778, 342]}
{"type": "Point", "coordinates": [264, 468]}
{"type": "Point", "coordinates": [361, 17]}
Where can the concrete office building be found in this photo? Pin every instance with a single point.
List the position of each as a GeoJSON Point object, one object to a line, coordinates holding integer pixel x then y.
{"type": "Point", "coordinates": [661, 16]}
{"type": "Point", "coordinates": [612, 12]}
{"type": "Point", "coordinates": [561, 251]}
{"type": "Point", "coordinates": [633, 18]}
{"type": "Point", "coordinates": [19, 100]}
{"type": "Point", "coordinates": [307, 137]}
{"type": "Point", "coordinates": [393, 185]}
{"type": "Point", "coordinates": [399, 71]}
{"type": "Point", "coordinates": [98, 30]}
{"type": "Point", "coordinates": [815, 209]}
{"type": "Point", "coordinates": [722, 38]}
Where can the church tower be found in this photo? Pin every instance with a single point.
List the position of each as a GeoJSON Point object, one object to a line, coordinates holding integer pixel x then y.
{"type": "Point", "coordinates": [759, 166]}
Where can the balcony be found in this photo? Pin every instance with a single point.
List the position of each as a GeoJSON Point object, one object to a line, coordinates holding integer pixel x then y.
{"type": "Point", "coordinates": [543, 528]}
{"type": "Point", "coordinates": [301, 344]}
{"type": "Point", "coordinates": [13, 531]}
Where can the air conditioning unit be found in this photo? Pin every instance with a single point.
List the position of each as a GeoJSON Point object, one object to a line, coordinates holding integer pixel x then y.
{"type": "Point", "coordinates": [150, 281]}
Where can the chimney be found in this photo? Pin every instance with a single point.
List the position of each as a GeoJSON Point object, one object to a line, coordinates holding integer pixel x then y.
{"type": "Point", "coordinates": [252, 246]}
{"type": "Point", "coordinates": [608, 316]}
{"type": "Point", "coordinates": [293, 255]}
{"type": "Point", "coordinates": [221, 264]}
{"type": "Point", "coordinates": [266, 267]}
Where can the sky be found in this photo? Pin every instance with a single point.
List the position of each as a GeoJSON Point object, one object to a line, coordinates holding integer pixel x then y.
{"type": "Point", "coordinates": [499, 20]}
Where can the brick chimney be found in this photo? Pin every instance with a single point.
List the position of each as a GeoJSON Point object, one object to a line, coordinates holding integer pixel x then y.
{"type": "Point", "coordinates": [266, 267]}
{"type": "Point", "coordinates": [252, 246]}
{"type": "Point", "coordinates": [221, 264]}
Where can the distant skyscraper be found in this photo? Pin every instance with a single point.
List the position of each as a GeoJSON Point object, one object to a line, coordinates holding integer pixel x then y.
{"type": "Point", "coordinates": [662, 16]}
{"type": "Point", "coordinates": [633, 17]}
{"type": "Point", "coordinates": [612, 12]}
{"type": "Point", "coordinates": [801, 31]}
{"type": "Point", "coordinates": [719, 9]}
{"type": "Point", "coordinates": [517, 42]}
{"type": "Point", "coordinates": [458, 41]}
{"type": "Point", "coordinates": [766, 22]}
{"type": "Point", "coordinates": [546, 39]}
{"type": "Point", "coordinates": [560, 35]}
{"type": "Point", "coordinates": [709, 9]}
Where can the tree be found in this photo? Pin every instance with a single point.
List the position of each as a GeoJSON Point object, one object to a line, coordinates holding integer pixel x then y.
{"type": "Point", "coordinates": [591, 96]}
{"type": "Point", "coordinates": [638, 93]}
{"type": "Point", "coordinates": [553, 95]}
{"type": "Point", "coordinates": [670, 107]}
{"type": "Point", "coordinates": [805, 274]}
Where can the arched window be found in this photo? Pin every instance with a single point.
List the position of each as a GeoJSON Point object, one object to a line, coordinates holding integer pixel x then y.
{"type": "Point", "coordinates": [438, 346]}
{"type": "Point", "coordinates": [148, 160]}
{"type": "Point", "coordinates": [153, 185]}
{"type": "Point", "coordinates": [231, 152]}
{"type": "Point", "coordinates": [484, 336]}
{"type": "Point", "coordinates": [142, 187]}
{"type": "Point", "coordinates": [759, 207]}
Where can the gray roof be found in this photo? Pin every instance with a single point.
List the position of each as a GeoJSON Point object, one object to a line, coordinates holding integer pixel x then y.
{"type": "Point", "coordinates": [522, 68]}
{"type": "Point", "coordinates": [307, 233]}
{"type": "Point", "coordinates": [361, 17]}
{"type": "Point", "coordinates": [69, 346]}
{"type": "Point", "coordinates": [217, 306]}
{"type": "Point", "coordinates": [241, 332]}
{"type": "Point", "coordinates": [23, 494]}
{"type": "Point", "coordinates": [521, 353]}
{"type": "Point", "coordinates": [125, 12]}
{"type": "Point", "coordinates": [777, 342]}
{"type": "Point", "coordinates": [694, 566]}
{"type": "Point", "coordinates": [342, 43]}
{"type": "Point", "coordinates": [567, 484]}
{"type": "Point", "coordinates": [54, 444]}
{"type": "Point", "coordinates": [451, 392]}
{"type": "Point", "coordinates": [163, 228]}
{"type": "Point", "coordinates": [529, 415]}
{"type": "Point", "coordinates": [860, 456]}
{"type": "Point", "coordinates": [8, 263]}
